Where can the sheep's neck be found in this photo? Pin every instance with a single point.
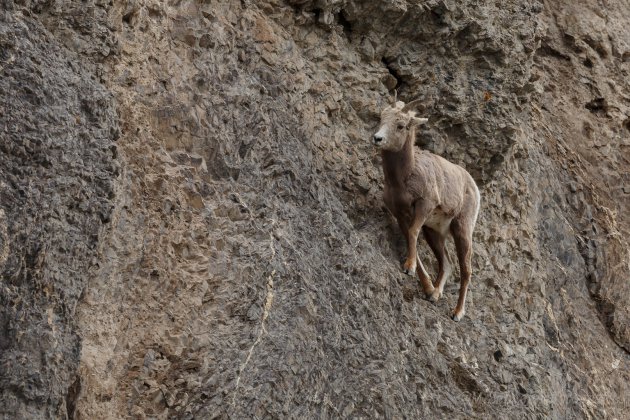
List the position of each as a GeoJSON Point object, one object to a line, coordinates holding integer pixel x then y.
{"type": "Point", "coordinates": [398, 165]}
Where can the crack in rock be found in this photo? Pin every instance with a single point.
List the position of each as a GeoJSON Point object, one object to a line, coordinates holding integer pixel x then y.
{"type": "Point", "coordinates": [266, 310]}
{"type": "Point", "coordinates": [263, 330]}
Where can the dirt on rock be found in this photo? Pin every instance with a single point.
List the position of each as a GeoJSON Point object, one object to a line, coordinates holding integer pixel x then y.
{"type": "Point", "coordinates": [191, 221]}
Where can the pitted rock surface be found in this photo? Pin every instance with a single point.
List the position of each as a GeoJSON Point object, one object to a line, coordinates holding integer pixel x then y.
{"type": "Point", "coordinates": [231, 257]}
{"type": "Point", "coordinates": [58, 128]}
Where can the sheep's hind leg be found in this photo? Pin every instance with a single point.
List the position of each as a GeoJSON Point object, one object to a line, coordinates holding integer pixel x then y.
{"type": "Point", "coordinates": [463, 244]}
{"type": "Point", "coordinates": [436, 243]}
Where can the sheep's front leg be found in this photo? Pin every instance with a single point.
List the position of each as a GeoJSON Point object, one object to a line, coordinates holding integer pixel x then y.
{"type": "Point", "coordinates": [413, 230]}
{"type": "Point", "coordinates": [425, 281]}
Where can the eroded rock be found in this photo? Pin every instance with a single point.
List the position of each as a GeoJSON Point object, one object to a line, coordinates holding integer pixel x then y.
{"type": "Point", "coordinates": [248, 267]}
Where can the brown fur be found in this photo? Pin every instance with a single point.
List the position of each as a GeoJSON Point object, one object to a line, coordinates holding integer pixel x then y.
{"type": "Point", "coordinates": [426, 192]}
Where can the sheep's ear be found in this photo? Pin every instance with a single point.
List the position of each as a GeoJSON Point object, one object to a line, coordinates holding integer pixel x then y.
{"type": "Point", "coordinates": [419, 121]}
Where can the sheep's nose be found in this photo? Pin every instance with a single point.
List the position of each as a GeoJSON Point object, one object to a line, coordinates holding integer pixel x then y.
{"type": "Point", "coordinates": [377, 139]}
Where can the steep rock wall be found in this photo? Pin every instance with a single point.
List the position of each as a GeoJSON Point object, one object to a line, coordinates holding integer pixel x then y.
{"type": "Point", "coordinates": [58, 126]}
{"type": "Point", "coordinates": [248, 267]}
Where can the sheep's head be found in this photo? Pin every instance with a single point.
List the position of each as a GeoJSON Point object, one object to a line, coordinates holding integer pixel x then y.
{"type": "Point", "coordinates": [397, 122]}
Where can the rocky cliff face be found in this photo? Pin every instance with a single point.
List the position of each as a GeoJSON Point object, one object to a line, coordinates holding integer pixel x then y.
{"type": "Point", "coordinates": [191, 223]}
{"type": "Point", "coordinates": [57, 172]}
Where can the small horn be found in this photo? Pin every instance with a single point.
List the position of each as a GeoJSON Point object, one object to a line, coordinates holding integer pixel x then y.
{"type": "Point", "coordinates": [411, 105]}
{"type": "Point", "coordinates": [395, 98]}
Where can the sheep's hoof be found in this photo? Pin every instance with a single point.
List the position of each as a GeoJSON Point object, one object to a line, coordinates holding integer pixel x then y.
{"type": "Point", "coordinates": [436, 295]}
{"type": "Point", "coordinates": [409, 269]}
{"type": "Point", "coordinates": [457, 317]}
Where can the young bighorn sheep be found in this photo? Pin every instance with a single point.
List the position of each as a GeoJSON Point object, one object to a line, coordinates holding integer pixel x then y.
{"type": "Point", "coordinates": [425, 191]}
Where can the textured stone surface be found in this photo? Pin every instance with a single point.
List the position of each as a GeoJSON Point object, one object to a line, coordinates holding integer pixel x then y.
{"type": "Point", "coordinates": [57, 130]}
{"type": "Point", "coordinates": [248, 268]}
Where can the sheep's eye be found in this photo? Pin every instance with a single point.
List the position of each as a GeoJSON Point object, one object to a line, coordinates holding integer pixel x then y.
{"type": "Point", "coordinates": [401, 126]}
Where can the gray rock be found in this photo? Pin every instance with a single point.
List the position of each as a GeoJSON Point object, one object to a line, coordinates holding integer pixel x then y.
{"type": "Point", "coordinates": [231, 256]}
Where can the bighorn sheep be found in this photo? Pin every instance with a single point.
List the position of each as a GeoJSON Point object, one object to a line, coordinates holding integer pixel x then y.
{"type": "Point", "coordinates": [425, 191]}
